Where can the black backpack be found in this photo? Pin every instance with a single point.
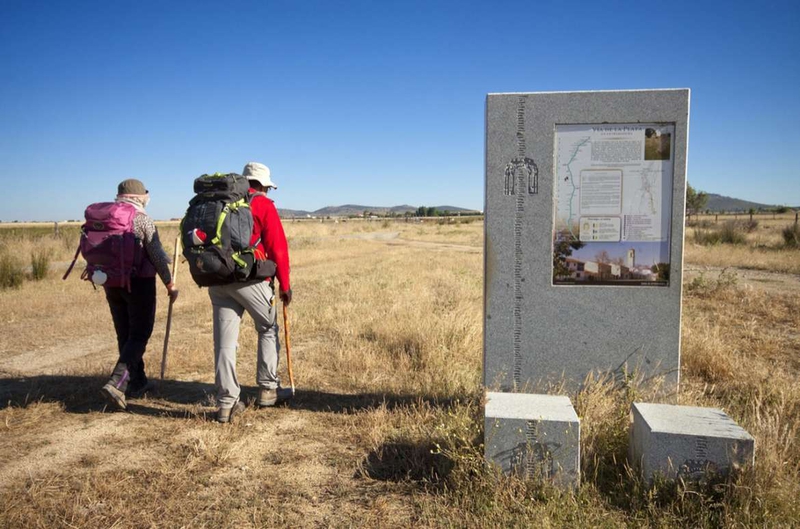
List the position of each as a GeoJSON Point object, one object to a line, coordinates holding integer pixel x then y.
{"type": "Point", "coordinates": [217, 229]}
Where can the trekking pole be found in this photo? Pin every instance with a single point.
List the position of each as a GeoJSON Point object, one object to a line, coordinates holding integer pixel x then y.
{"type": "Point", "coordinates": [171, 302]}
{"type": "Point", "coordinates": [288, 346]}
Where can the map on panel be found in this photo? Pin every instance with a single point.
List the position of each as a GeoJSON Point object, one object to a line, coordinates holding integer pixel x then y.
{"type": "Point", "coordinates": [613, 204]}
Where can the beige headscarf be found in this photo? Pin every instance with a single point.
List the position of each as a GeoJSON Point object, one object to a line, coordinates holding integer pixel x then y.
{"type": "Point", "coordinates": [138, 201]}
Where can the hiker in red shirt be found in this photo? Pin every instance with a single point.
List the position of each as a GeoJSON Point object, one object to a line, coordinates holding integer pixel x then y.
{"type": "Point", "coordinates": [257, 298]}
{"type": "Point", "coordinates": [267, 228]}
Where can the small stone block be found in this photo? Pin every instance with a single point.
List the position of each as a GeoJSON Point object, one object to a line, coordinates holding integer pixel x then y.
{"type": "Point", "coordinates": [687, 441]}
{"type": "Point", "coordinates": [533, 436]}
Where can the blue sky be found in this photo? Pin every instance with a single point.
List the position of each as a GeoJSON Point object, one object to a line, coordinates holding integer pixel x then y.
{"type": "Point", "coordinates": [377, 103]}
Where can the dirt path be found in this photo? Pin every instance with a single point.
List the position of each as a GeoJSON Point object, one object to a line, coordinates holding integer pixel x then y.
{"type": "Point", "coordinates": [53, 360]}
{"type": "Point", "coordinates": [298, 454]}
{"type": "Point", "coordinates": [373, 236]}
{"type": "Point", "coordinates": [72, 441]}
{"type": "Point", "coordinates": [393, 239]}
{"type": "Point", "coordinates": [756, 279]}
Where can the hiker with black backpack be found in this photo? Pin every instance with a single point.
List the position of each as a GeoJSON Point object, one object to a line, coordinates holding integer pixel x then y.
{"type": "Point", "coordinates": [235, 245]}
{"type": "Point", "coordinates": [123, 254]}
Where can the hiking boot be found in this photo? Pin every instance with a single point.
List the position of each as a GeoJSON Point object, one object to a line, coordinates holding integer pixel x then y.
{"type": "Point", "coordinates": [271, 397]}
{"type": "Point", "coordinates": [267, 397]}
{"type": "Point", "coordinates": [114, 389]}
{"type": "Point", "coordinates": [120, 377]}
{"type": "Point", "coordinates": [114, 396]}
{"type": "Point", "coordinates": [137, 389]}
{"type": "Point", "coordinates": [227, 414]}
{"type": "Point", "coordinates": [138, 384]}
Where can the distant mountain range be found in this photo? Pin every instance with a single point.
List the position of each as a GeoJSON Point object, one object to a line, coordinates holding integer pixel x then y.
{"type": "Point", "coordinates": [718, 203]}
{"type": "Point", "coordinates": [348, 210]}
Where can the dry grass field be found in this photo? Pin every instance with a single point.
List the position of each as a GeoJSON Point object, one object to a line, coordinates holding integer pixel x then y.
{"type": "Point", "coordinates": [386, 427]}
{"type": "Point", "coordinates": [763, 247]}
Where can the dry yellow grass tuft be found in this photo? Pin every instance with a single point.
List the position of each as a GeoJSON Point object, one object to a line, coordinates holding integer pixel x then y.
{"type": "Point", "coordinates": [386, 429]}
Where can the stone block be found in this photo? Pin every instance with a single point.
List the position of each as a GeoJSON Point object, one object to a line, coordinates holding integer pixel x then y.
{"type": "Point", "coordinates": [533, 436]}
{"type": "Point", "coordinates": [687, 441]}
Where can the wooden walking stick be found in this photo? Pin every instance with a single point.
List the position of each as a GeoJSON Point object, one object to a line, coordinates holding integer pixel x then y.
{"type": "Point", "coordinates": [288, 346]}
{"type": "Point", "coordinates": [169, 311]}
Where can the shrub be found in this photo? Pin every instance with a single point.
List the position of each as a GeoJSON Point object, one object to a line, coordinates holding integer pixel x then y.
{"type": "Point", "coordinates": [707, 237]}
{"type": "Point", "coordinates": [791, 236]}
{"type": "Point", "coordinates": [732, 233]}
{"type": "Point", "coordinates": [750, 225]}
{"type": "Point", "coordinates": [40, 264]}
{"type": "Point", "coordinates": [701, 285]}
{"type": "Point", "coordinates": [12, 272]}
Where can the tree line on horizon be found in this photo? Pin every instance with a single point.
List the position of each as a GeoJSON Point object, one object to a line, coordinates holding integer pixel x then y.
{"type": "Point", "coordinates": [696, 202]}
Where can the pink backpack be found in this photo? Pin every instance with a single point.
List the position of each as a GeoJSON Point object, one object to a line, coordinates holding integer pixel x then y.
{"type": "Point", "coordinates": [109, 245]}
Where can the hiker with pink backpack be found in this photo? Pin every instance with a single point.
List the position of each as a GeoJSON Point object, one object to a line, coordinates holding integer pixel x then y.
{"type": "Point", "coordinates": [123, 254]}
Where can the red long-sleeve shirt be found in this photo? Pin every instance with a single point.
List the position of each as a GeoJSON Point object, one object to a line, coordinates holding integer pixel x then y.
{"type": "Point", "coordinates": [267, 226]}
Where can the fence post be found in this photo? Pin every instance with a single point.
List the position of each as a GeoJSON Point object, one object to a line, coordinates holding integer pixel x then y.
{"type": "Point", "coordinates": [55, 229]}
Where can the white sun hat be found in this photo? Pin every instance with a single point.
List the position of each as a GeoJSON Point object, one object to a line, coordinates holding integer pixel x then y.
{"type": "Point", "coordinates": [258, 172]}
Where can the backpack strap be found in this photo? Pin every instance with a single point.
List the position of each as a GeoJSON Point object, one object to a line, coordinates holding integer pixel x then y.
{"type": "Point", "coordinates": [250, 197]}
{"type": "Point", "coordinates": [122, 267]}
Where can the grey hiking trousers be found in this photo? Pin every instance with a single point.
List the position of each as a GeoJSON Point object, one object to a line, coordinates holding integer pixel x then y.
{"type": "Point", "coordinates": [229, 303]}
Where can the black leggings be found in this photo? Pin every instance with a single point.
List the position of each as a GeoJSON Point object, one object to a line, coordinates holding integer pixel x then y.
{"type": "Point", "coordinates": [134, 314]}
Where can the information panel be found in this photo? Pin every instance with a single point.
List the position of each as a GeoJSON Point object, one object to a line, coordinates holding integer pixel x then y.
{"type": "Point", "coordinates": [613, 204]}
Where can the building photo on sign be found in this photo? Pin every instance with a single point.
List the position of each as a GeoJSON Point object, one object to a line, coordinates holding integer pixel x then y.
{"type": "Point", "coordinates": [613, 203]}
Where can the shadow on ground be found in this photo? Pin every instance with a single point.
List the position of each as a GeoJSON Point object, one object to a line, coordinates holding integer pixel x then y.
{"type": "Point", "coordinates": [398, 462]}
{"type": "Point", "coordinates": [81, 394]}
